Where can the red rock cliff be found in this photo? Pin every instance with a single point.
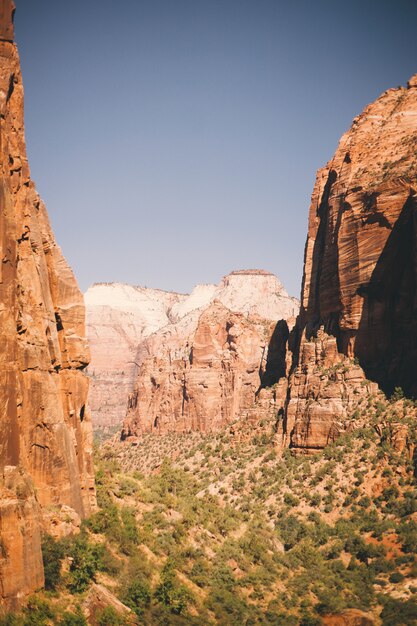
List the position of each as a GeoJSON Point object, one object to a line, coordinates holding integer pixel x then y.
{"type": "Point", "coordinates": [360, 273]}
{"type": "Point", "coordinates": [45, 435]}
{"type": "Point", "coordinates": [205, 370]}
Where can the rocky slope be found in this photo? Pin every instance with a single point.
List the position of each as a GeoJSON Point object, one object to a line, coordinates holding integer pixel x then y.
{"type": "Point", "coordinates": [259, 537]}
{"type": "Point", "coordinates": [359, 285]}
{"type": "Point", "coordinates": [201, 372]}
{"type": "Point", "coordinates": [45, 435]}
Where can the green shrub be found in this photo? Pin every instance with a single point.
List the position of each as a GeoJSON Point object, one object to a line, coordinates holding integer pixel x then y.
{"type": "Point", "coordinates": [171, 594]}
{"type": "Point", "coordinates": [10, 620]}
{"type": "Point", "coordinates": [137, 597]}
{"type": "Point", "coordinates": [329, 602]}
{"type": "Point", "coordinates": [85, 561]}
{"type": "Point", "coordinates": [109, 617]}
{"type": "Point", "coordinates": [73, 619]}
{"type": "Point", "coordinates": [52, 555]}
{"type": "Point", "coordinates": [291, 530]}
{"type": "Point", "coordinates": [399, 612]}
{"type": "Point", "coordinates": [291, 500]}
{"type": "Point", "coordinates": [229, 608]}
{"type": "Point", "coordinates": [118, 526]}
{"type": "Point", "coordinates": [396, 577]}
{"type": "Point", "coordinates": [38, 612]}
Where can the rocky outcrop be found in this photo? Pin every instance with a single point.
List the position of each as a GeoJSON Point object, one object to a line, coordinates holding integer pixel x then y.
{"type": "Point", "coordinates": [325, 392]}
{"type": "Point", "coordinates": [99, 599]}
{"type": "Point", "coordinates": [204, 371]}
{"type": "Point", "coordinates": [120, 318]}
{"type": "Point", "coordinates": [350, 617]}
{"type": "Point", "coordinates": [360, 273]}
{"type": "Point", "coordinates": [45, 435]}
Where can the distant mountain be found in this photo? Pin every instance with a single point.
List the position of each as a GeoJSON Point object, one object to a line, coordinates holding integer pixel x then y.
{"type": "Point", "coordinates": [121, 317]}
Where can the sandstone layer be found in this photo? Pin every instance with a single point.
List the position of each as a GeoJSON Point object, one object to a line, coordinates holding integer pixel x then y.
{"type": "Point", "coordinates": [120, 318]}
{"type": "Point", "coordinates": [358, 317]}
{"type": "Point", "coordinates": [45, 435]}
{"type": "Point", "coordinates": [205, 370]}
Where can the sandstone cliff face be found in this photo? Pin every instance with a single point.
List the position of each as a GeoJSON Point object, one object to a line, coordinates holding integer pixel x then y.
{"type": "Point", "coordinates": [360, 261]}
{"type": "Point", "coordinates": [45, 435]}
{"type": "Point", "coordinates": [121, 317]}
{"type": "Point", "coordinates": [360, 272]}
{"type": "Point", "coordinates": [205, 370]}
{"type": "Point", "coordinates": [325, 392]}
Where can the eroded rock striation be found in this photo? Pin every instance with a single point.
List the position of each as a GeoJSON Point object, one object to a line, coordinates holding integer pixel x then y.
{"type": "Point", "coordinates": [358, 317]}
{"type": "Point", "coordinates": [45, 435]}
{"type": "Point", "coordinates": [205, 370]}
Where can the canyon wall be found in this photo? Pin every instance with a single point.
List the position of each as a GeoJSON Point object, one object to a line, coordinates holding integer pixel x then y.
{"type": "Point", "coordinates": [45, 435]}
{"type": "Point", "coordinates": [358, 317]}
{"type": "Point", "coordinates": [205, 370]}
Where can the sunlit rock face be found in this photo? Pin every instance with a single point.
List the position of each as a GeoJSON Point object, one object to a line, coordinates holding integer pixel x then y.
{"type": "Point", "coordinates": [205, 370]}
{"type": "Point", "coordinates": [119, 318]}
{"type": "Point", "coordinates": [360, 269]}
{"type": "Point", "coordinates": [45, 435]}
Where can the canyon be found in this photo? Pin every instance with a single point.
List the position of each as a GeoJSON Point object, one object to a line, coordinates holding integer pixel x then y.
{"type": "Point", "coordinates": [261, 458]}
{"type": "Point", "coordinates": [46, 434]}
{"type": "Point", "coordinates": [143, 340]}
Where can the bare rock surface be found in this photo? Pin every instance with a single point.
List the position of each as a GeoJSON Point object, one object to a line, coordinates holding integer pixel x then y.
{"type": "Point", "coordinates": [122, 325]}
{"type": "Point", "coordinates": [350, 617]}
{"type": "Point", "coordinates": [100, 598]}
{"type": "Point", "coordinates": [7, 8]}
{"type": "Point", "coordinates": [358, 317]}
{"type": "Point", "coordinates": [203, 371]}
{"type": "Point", "coordinates": [46, 434]}
{"type": "Point", "coordinates": [360, 261]}
{"type": "Point", "coordinates": [119, 317]}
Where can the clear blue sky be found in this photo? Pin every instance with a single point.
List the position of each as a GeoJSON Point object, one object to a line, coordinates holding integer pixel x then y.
{"type": "Point", "coordinates": [176, 140]}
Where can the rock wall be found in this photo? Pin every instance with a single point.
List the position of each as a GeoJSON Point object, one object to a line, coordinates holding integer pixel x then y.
{"type": "Point", "coordinates": [120, 318]}
{"type": "Point", "coordinates": [45, 435]}
{"type": "Point", "coordinates": [204, 371]}
{"type": "Point", "coordinates": [360, 274]}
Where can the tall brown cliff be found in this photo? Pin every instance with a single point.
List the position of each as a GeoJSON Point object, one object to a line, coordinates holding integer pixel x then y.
{"type": "Point", "coordinates": [45, 434]}
{"type": "Point", "coordinates": [359, 296]}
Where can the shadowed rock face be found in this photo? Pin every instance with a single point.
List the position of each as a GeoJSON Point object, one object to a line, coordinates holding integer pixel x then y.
{"type": "Point", "coordinates": [361, 259]}
{"type": "Point", "coordinates": [360, 272]}
{"type": "Point", "coordinates": [45, 434]}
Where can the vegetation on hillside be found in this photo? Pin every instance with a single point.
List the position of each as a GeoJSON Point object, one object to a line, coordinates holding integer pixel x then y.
{"type": "Point", "coordinates": [235, 533]}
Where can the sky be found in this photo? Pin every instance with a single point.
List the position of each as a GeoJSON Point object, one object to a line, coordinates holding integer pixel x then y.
{"type": "Point", "coordinates": [174, 141]}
